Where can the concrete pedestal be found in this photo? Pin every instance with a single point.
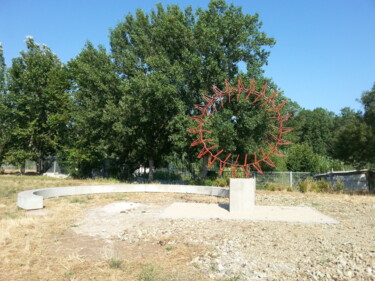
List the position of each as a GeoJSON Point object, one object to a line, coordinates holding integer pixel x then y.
{"type": "Point", "coordinates": [241, 195]}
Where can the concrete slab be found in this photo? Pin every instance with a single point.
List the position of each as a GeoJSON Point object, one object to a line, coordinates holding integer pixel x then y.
{"type": "Point", "coordinates": [259, 213]}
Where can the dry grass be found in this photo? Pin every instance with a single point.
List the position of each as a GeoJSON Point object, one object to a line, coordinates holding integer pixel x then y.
{"type": "Point", "coordinates": [45, 248]}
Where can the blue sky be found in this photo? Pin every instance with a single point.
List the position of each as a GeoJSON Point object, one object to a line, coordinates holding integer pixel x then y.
{"type": "Point", "coordinates": [324, 55]}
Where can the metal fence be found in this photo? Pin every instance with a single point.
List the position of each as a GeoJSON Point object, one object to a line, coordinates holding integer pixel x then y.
{"type": "Point", "coordinates": [29, 166]}
{"type": "Point", "coordinates": [285, 179]}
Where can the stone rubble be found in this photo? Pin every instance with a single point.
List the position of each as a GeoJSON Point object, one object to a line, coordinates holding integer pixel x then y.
{"type": "Point", "coordinates": [245, 250]}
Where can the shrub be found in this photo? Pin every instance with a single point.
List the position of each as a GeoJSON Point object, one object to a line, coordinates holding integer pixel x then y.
{"type": "Point", "coordinates": [166, 175]}
{"type": "Point", "coordinates": [222, 182]}
{"type": "Point", "coordinates": [310, 185]}
{"type": "Point", "coordinates": [274, 187]}
{"type": "Point", "coordinates": [115, 263]}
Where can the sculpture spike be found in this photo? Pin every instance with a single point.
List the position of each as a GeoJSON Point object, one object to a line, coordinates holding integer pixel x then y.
{"type": "Point", "coordinates": [246, 171]}
{"type": "Point", "coordinates": [200, 140]}
{"type": "Point", "coordinates": [283, 142]}
{"type": "Point", "coordinates": [229, 155]}
{"type": "Point", "coordinates": [277, 108]}
{"type": "Point", "coordinates": [208, 99]}
{"type": "Point", "coordinates": [269, 162]}
{"type": "Point", "coordinates": [228, 87]}
{"type": "Point", "coordinates": [205, 150]}
{"type": "Point", "coordinates": [251, 90]}
{"type": "Point", "coordinates": [245, 162]}
{"type": "Point", "coordinates": [234, 172]}
{"type": "Point", "coordinates": [235, 163]}
{"type": "Point", "coordinates": [240, 88]}
{"type": "Point", "coordinates": [210, 106]}
{"type": "Point", "coordinates": [198, 130]}
{"type": "Point", "coordinates": [211, 161]}
{"type": "Point", "coordinates": [257, 167]}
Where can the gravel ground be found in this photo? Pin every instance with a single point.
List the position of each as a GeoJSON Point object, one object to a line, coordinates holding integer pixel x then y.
{"type": "Point", "coordinates": [245, 250]}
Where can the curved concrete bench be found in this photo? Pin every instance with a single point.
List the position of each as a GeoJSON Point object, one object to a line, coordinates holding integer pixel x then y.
{"type": "Point", "coordinates": [33, 199]}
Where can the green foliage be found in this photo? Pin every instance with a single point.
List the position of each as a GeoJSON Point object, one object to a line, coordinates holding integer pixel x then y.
{"type": "Point", "coordinates": [301, 158]}
{"type": "Point", "coordinates": [241, 127]}
{"type": "Point", "coordinates": [115, 263]}
{"type": "Point", "coordinates": [3, 71]}
{"type": "Point", "coordinates": [166, 176]}
{"type": "Point", "coordinates": [169, 58]}
{"type": "Point", "coordinates": [39, 103]}
{"type": "Point", "coordinates": [147, 51]}
{"type": "Point", "coordinates": [316, 128]}
{"type": "Point", "coordinates": [277, 187]}
{"type": "Point", "coordinates": [96, 92]}
{"type": "Point", "coordinates": [354, 142]}
{"type": "Point", "coordinates": [109, 113]}
{"type": "Point", "coordinates": [368, 102]}
{"type": "Point", "coordinates": [310, 185]}
{"type": "Point", "coordinates": [222, 182]}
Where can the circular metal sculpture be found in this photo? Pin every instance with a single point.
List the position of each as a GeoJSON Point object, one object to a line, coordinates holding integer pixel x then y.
{"type": "Point", "coordinates": [216, 154]}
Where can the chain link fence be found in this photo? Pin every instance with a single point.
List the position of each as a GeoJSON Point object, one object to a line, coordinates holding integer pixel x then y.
{"type": "Point", "coordinates": [284, 179]}
{"type": "Point", "coordinates": [363, 180]}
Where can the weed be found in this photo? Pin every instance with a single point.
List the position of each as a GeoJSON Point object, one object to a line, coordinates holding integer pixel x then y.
{"type": "Point", "coordinates": [78, 200]}
{"type": "Point", "coordinates": [274, 187]}
{"type": "Point", "coordinates": [68, 274]}
{"type": "Point", "coordinates": [151, 273]}
{"type": "Point", "coordinates": [169, 248]}
{"type": "Point", "coordinates": [115, 263]}
{"type": "Point", "coordinates": [222, 182]}
{"type": "Point", "coordinates": [310, 185]}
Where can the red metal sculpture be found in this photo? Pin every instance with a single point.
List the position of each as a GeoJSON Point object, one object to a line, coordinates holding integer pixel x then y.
{"type": "Point", "coordinates": [215, 153]}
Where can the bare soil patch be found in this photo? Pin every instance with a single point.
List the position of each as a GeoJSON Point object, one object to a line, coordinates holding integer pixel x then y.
{"type": "Point", "coordinates": [78, 240]}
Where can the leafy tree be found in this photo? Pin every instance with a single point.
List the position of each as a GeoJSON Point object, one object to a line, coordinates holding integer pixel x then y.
{"type": "Point", "coordinates": [355, 138]}
{"type": "Point", "coordinates": [4, 111]}
{"type": "Point", "coordinates": [316, 128]}
{"type": "Point", "coordinates": [38, 101]}
{"type": "Point", "coordinates": [368, 102]}
{"type": "Point", "coordinates": [354, 143]}
{"type": "Point", "coordinates": [301, 158]}
{"type": "Point", "coordinates": [96, 94]}
{"type": "Point", "coordinates": [188, 52]}
{"type": "Point", "coordinates": [3, 70]}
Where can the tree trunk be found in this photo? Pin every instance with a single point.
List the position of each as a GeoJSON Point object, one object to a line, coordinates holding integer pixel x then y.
{"type": "Point", "coordinates": [151, 166]}
{"type": "Point", "coordinates": [204, 167]}
{"type": "Point", "coordinates": [39, 166]}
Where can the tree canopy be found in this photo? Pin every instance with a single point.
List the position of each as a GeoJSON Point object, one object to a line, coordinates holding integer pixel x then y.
{"type": "Point", "coordinates": [38, 101]}
{"type": "Point", "coordinates": [170, 57]}
{"type": "Point", "coordinates": [108, 112]}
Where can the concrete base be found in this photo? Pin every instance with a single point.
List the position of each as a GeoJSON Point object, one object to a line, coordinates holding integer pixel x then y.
{"type": "Point", "coordinates": [259, 213]}
{"type": "Point", "coordinates": [242, 195]}
{"type": "Point", "coordinates": [33, 199]}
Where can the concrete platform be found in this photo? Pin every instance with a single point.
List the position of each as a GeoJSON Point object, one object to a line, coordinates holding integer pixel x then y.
{"type": "Point", "coordinates": [259, 213]}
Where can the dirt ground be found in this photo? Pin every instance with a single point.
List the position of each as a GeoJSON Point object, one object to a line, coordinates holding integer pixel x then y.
{"type": "Point", "coordinates": [120, 237]}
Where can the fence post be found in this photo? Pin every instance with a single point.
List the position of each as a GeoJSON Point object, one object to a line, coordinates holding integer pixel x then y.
{"type": "Point", "coordinates": [290, 179]}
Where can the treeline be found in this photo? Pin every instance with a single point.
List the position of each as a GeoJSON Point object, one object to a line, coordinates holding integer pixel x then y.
{"type": "Point", "coordinates": [116, 111]}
